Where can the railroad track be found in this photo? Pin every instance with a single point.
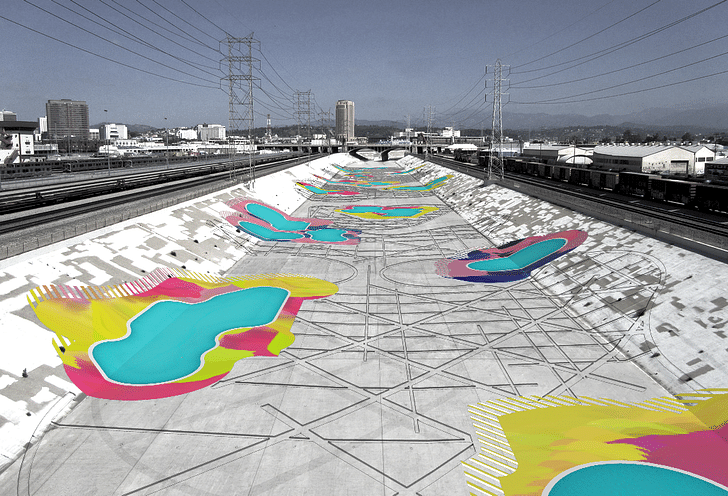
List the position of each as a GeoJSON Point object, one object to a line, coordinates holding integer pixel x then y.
{"type": "Point", "coordinates": [37, 217]}
{"type": "Point", "coordinates": [716, 228]}
{"type": "Point", "coordinates": [18, 200]}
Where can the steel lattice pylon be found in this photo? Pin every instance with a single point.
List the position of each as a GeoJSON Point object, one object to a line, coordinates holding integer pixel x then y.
{"type": "Point", "coordinates": [239, 63]}
{"type": "Point", "coordinates": [302, 101]}
{"type": "Point", "coordinates": [495, 161]}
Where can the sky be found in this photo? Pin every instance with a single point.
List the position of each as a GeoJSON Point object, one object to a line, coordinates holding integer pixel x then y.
{"type": "Point", "coordinates": [161, 62]}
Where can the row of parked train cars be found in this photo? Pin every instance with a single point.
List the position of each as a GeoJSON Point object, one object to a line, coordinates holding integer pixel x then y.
{"type": "Point", "coordinates": [40, 169]}
{"type": "Point", "coordinates": [46, 168]}
{"type": "Point", "coordinates": [703, 196]}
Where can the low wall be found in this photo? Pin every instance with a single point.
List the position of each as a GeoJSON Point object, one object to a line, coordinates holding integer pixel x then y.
{"type": "Point", "coordinates": [692, 239]}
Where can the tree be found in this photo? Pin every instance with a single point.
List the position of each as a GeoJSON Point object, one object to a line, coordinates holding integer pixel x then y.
{"type": "Point", "coordinates": [687, 137]}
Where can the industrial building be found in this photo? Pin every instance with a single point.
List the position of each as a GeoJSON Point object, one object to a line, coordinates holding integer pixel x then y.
{"type": "Point", "coordinates": [67, 119]}
{"type": "Point", "coordinates": [345, 120]}
{"type": "Point", "coordinates": [113, 132]}
{"type": "Point", "coordinates": [553, 154]}
{"type": "Point", "coordinates": [16, 139]}
{"type": "Point", "coordinates": [207, 132]}
{"type": "Point", "coordinates": [649, 159]}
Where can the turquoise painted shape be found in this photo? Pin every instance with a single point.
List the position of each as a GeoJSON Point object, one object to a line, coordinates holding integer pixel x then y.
{"type": "Point", "coordinates": [275, 218]}
{"type": "Point", "coordinates": [266, 234]}
{"type": "Point", "coordinates": [167, 340]}
{"type": "Point", "coordinates": [315, 189]}
{"type": "Point", "coordinates": [632, 479]}
{"type": "Point", "coordinates": [328, 235]}
{"type": "Point", "coordinates": [396, 212]}
{"type": "Point", "coordinates": [521, 259]}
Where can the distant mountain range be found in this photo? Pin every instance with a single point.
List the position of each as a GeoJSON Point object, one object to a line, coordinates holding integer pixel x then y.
{"type": "Point", "coordinates": [706, 120]}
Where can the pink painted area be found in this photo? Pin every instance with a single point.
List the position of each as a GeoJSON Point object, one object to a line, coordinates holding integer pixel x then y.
{"type": "Point", "coordinates": [89, 380]}
{"type": "Point", "coordinates": [351, 237]}
{"type": "Point", "coordinates": [460, 267]}
{"type": "Point", "coordinates": [174, 287]}
{"type": "Point", "coordinates": [255, 340]}
{"type": "Point", "coordinates": [704, 453]}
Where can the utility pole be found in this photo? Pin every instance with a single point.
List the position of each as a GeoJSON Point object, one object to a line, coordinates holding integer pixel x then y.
{"type": "Point", "coordinates": [495, 161]}
{"type": "Point", "coordinates": [326, 126]}
{"type": "Point", "coordinates": [240, 63]}
{"type": "Point", "coordinates": [429, 112]}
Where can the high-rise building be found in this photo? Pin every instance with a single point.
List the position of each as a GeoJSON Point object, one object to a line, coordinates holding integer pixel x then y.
{"type": "Point", "coordinates": [345, 120]}
{"type": "Point", "coordinates": [67, 119]}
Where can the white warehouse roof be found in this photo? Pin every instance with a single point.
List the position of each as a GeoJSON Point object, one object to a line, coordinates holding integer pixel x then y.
{"type": "Point", "coordinates": [631, 151]}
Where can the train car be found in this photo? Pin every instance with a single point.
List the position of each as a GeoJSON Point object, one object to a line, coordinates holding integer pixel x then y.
{"type": "Point", "coordinates": [635, 184]}
{"type": "Point", "coordinates": [532, 168]}
{"type": "Point", "coordinates": [671, 190]}
{"type": "Point", "coordinates": [600, 179]}
{"type": "Point", "coordinates": [25, 170]}
{"type": "Point", "coordinates": [561, 173]}
{"type": "Point", "coordinates": [580, 176]}
{"type": "Point", "coordinates": [544, 170]}
{"type": "Point", "coordinates": [468, 156]}
{"type": "Point", "coordinates": [711, 197]}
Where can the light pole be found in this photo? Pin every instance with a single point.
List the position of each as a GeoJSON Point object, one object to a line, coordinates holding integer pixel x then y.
{"type": "Point", "coordinates": [106, 139]}
{"type": "Point", "coordinates": [166, 141]}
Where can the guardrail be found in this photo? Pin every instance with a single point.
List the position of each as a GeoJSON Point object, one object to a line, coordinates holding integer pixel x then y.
{"type": "Point", "coordinates": [109, 218]}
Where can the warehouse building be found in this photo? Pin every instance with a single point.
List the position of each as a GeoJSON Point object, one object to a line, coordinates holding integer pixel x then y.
{"type": "Point", "coordinates": [649, 159]}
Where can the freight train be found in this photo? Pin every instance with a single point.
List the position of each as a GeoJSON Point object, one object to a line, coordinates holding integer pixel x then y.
{"type": "Point", "coordinates": [703, 196]}
{"type": "Point", "coordinates": [41, 169]}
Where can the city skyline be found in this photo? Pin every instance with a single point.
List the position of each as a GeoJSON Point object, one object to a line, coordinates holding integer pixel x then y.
{"type": "Point", "coordinates": [393, 60]}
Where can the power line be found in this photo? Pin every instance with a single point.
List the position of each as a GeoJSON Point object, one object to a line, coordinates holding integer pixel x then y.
{"type": "Point", "coordinates": [621, 69]}
{"type": "Point", "coordinates": [566, 28]}
{"type": "Point", "coordinates": [187, 37]}
{"type": "Point", "coordinates": [116, 44]}
{"type": "Point", "coordinates": [107, 58]}
{"type": "Point", "coordinates": [205, 18]}
{"type": "Point", "coordinates": [624, 94]}
{"type": "Point", "coordinates": [134, 38]}
{"type": "Point", "coordinates": [614, 48]}
{"type": "Point", "coordinates": [588, 37]}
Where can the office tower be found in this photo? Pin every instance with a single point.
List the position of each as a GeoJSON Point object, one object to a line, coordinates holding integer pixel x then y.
{"type": "Point", "coordinates": [67, 119]}
{"type": "Point", "coordinates": [345, 120]}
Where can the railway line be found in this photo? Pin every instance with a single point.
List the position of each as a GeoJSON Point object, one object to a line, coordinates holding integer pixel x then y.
{"type": "Point", "coordinates": [117, 191]}
{"type": "Point", "coordinates": [709, 224]}
{"type": "Point", "coordinates": [21, 199]}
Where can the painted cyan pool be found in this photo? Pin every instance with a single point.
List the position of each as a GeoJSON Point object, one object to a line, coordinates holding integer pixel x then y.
{"type": "Point", "coordinates": [513, 261]}
{"type": "Point", "coordinates": [267, 234]}
{"type": "Point", "coordinates": [275, 219]}
{"type": "Point", "coordinates": [168, 340]}
{"type": "Point", "coordinates": [631, 479]}
{"type": "Point", "coordinates": [270, 224]}
{"type": "Point", "coordinates": [327, 235]}
{"type": "Point", "coordinates": [520, 259]}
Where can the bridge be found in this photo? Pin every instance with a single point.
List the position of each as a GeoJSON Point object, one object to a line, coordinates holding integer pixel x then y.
{"type": "Point", "coordinates": [382, 148]}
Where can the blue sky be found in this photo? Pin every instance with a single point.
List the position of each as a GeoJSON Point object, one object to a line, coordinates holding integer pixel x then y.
{"type": "Point", "coordinates": [391, 58]}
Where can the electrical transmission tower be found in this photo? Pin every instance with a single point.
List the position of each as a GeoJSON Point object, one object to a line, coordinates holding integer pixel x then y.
{"type": "Point", "coordinates": [239, 81]}
{"type": "Point", "coordinates": [326, 126]}
{"type": "Point", "coordinates": [495, 161]}
{"type": "Point", "coordinates": [302, 101]}
{"type": "Point", "coordinates": [429, 119]}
